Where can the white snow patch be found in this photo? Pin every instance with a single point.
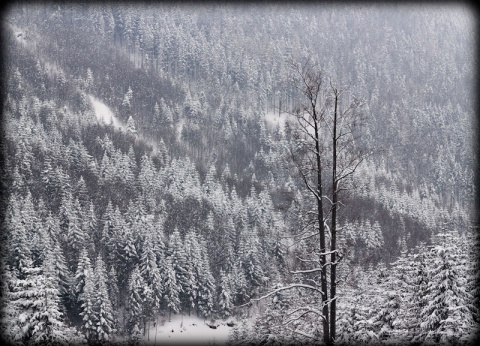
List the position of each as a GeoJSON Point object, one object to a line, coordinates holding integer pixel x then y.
{"type": "Point", "coordinates": [179, 130]}
{"type": "Point", "coordinates": [274, 119]}
{"type": "Point", "coordinates": [21, 37]}
{"type": "Point", "coordinates": [104, 114]}
{"type": "Point", "coordinates": [188, 330]}
{"type": "Point", "coordinates": [20, 34]}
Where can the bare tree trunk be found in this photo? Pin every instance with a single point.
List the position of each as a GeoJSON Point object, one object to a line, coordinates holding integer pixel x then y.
{"type": "Point", "coordinates": [321, 233]}
{"type": "Point", "coordinates": [314, 119]}
{"type": "Point", "coordinates": [333, 228]}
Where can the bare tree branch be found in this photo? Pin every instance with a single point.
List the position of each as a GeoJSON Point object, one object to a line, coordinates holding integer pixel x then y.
{"type": "Point", "coordinates": [279, 290]}
{"type": "Point", "coordinates": [302, 333]}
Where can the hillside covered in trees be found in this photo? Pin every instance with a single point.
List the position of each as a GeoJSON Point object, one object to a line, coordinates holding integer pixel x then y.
{"type": "Point", "coordinates": [146, 171]}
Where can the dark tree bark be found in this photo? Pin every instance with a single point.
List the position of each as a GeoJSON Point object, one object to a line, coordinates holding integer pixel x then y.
{"type": "Point", "coordinates": [309, 117]}
{"type": "Point", "coordinates": [325, 140]}
{"type": "Point", "coordinates": [333, 227]}
{"type": "Point", "coordinates": [322, 110]}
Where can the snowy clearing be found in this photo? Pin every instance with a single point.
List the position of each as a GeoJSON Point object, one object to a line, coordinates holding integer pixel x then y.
{"type": "Point", "coordinates": [19, 34]}
{"type": "Point", "coordinates": [104, 114]}
{"type": "Point", "coordinates": [188, 330]}
{"type": "Point", "coordinates": [179, 129]}
{"type": "Point", "coordinates": [273, 120]}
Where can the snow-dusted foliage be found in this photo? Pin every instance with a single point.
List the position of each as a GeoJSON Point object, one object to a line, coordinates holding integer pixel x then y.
{"type": "Point", "coordinates": [32, 313]}
{"type": "Point", "coordinates": [146, 172]}
{"type": "Point", "coordinates": [447, 312]}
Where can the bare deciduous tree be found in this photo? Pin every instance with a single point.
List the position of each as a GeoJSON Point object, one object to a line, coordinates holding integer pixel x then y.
{"type": "Point", "coordinates": [326, 152]}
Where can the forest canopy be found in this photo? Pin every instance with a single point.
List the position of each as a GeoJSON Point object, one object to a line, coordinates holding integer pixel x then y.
{"type": "Point", "coordinates": [147, 170]}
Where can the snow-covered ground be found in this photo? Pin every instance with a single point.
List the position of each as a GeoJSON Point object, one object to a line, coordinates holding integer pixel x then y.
{"type": "Point", "coordinates": [20, 34]}
{"type": "Point", "coordinates": [179, 129]}
{"type": "Point", "coordinates": [104, 114]}
{"type": "Point", "coordinates": [188, 330]}
{"type": "Point", "coordinates": [273, 119]}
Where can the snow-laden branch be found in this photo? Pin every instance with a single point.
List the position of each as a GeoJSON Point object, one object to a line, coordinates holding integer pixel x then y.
{"type": "Point", "coordinates": [328, 199]}
{"type": "Point", "coordinates": [313, 282]}
{"type": "Point", "coordinates": [328, 253]}
{"type": "Point", "coordinates": [301, 333]}
{"type": "Point", "coordinates": [317, 269]}
{"type": "Point", "coordinates": [282, 289]}
{"type": "Point", "coordinates": [307, 310]}
{"type": "Point", "coordinates": [307, 260]}
{"type": "Point", "coordinates": [305, 238]}
{"type": "Point", "coordinates": [306, 271]}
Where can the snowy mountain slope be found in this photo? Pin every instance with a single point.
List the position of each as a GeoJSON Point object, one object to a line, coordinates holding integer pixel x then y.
{"type": "Point", "coordinates": [213, 215]}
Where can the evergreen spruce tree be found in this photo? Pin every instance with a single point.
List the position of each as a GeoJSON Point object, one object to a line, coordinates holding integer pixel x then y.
{"type": "Point", "coordinates": [19, 254]}
{"type": "Point", "coordinates": [131, 127]}
{"type": "Point", "coordinates": [138, 300]}
{"type": "Point", "coordinates": [250, 259]}
{"type": "Point", "coordinates": [108, 235]}
{"type": "Point", "coordinates": [65, 278]}
{"type": "Point", "coordinates": [446, 316]}
{"type": "Point", "coordinates": [387, 318]}
{"type": "Point", "coordinates": [112, 287]}
{"type": "Point", "coordinates": [127, 251]}
{"type": "Point", "coordinates": [52, 227]}
{"type": "Point", "coordinates": [241, 293]}
{"type": "Point", "coordinates": [87, 305]}
{"type": "Point", "coordinates": [472, 242]}
{"type": "Point", "coordinates": [84, 269]}
{"type": "Point", "coordinates": [34, 303]}
{"type": "Point", "coordinates": [224, 296]}
{"type": "Point", "coordinates": [194, 267]}
{"type": "Point", "coordinates": [105, 320]}
{"type": "Point", "coordinates": [7, 318]}
{"type": "Point", "coordinates": [76, 237]}
{"type": "Point", "coordinates": [90, 228]}
{"type": "Point", "coordinates": [50, 326]}
{"type": "Point", "coordinates": [176, 253]}
{"type": "Point", "coordinates": [150, 272]}
{"type": "Point", "coordinates": [418, 279]}
{"type": "Point", "coordinates": [206, 285]}
{"type": "Point", "coordinates": [171, 289]}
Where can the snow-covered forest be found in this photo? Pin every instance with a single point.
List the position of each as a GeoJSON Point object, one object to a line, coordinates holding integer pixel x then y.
{"type": "Point", "coordinates": [158, 166]}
